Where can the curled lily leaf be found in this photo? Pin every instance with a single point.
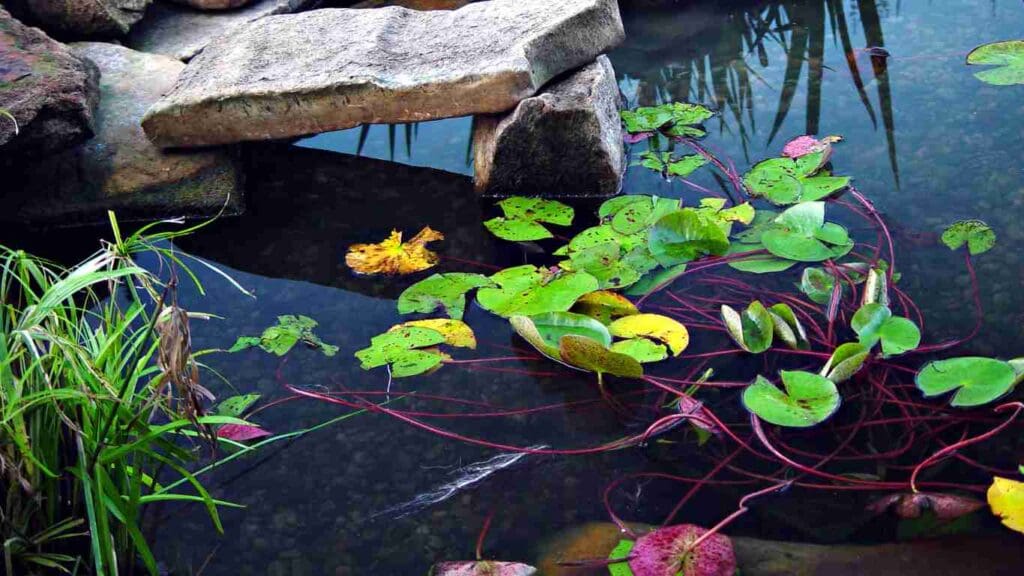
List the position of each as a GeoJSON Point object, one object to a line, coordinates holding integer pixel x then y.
{"type": "Point", "coordinates": [592, 356]}
{"type": "Point", "coordinates": [874, 322]}
{"type": "Point", "coordinates": [753, 329]}
{"type": "Point", "coordinates": [605, 306]}
{"type": "Point", "coordinates": [846, 360]}
{"type": "Point", "coordinates": [787, 326]}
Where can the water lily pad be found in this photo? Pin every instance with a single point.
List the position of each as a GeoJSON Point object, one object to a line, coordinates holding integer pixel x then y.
{"type": "Point", "coordinates": [482, 568]}
{"type": "Point", "coordinates": [874, 322]}
{"type": "Point", "coordinates": [1006, 498]}
{"type": "Point", "coordinates": [235, 406]}
{"type": "Point", "coordinates": [654, 326]}
{"type": "Point", "coordinates": [652, 280]}
{"type": "Point", "coordinates": [401, 349]}
{"type": "Point", "coordinates": [604, 306]}
{"type": "Point", "coordinates": [808, 399]}
{"type": "Point", "coordinates": [621, 552]}
{"type": "Point", "coordinates": [281, 338]}
{"type": "Point", "coordinates": [666, 552]}
{"type": "Point", "coordinates": [846, 360]}
{"type": "Point", "coordinates": [786, 180]}
{"type": "Point", "coordinates": [392, 256]}
{"type": "Point", "coordinates": [817, 284]}
{"type": "Point", "coordinates": [441, 290]}
{"type": "Point", "coordinates": [715, 208]}
{"type": "Point", "coordinates": [673, 119]}
{"type": "Point", "coordinates": [523, 218]}
{"type": "Point", "coordinates": [551, 326]}
{"type": "Point", "coordinates": [665, 163]}
{"type": "Point", "coordinates": [975, 233]}
{"type": "Point", "coordinates": [977, 380]}
{"type": "Point", "coordinates": [456, 332]}
{"type": "Point", "coordinates": [528, 290]}
{"type": "Point", "coordinates": [686, 235]}
{"type": "Point", "coordinates": [787, 326]}
{"type": "Point", "coordinates": [763, 263]}
{"type": "Point", "coordinates": [800, 233]}
{"type": "Point", "coordinates": [1007, 57]}
{"type": "Point", "coordinates": [753, 329]}
{"type": "Point", "coordinates": [642, 349]}
{"type": "Point", "coordinates": [604, 262]}
{"type": "Point", "coordinates": [634, 213]}
{"type": "Point", "coordinates": [592, 356]}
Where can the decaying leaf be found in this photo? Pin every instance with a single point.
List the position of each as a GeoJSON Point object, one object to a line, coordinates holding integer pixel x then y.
{"type": "Point", "coordinates": [913, 504]}
{"type": "Point", "coordinates": [605, 306]}
{"type": "Point", "coordinates": [666, 552]}
{"type": "Point", "coordinates": [282, 337]}
{"type": "Point", "coordinates": [1006, 498]}
{"type": "Point", "coordinates": [592, 356]}
{"type": "Point", "coordinates": [406, 350]}
{"type": "Point", "coordinates": [482, 568]}
{"type": "Point", "coordinates": [392, 256]}
{"type": "Point", "coordinates": [654, 326]}
{"type": "Point", "coordinates": [456, 332]}
{"type": "Point", "coordinates": [241, 432]}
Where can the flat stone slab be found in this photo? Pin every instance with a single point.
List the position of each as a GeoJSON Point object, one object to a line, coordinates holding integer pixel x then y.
{"type": "Point", "coordinates": [120, 169]}
{"type": "Point", "coordinates": [323, 70]}
{"type": "Point", "coordinates": [564, 142]}
{"type": "Point", "coordinates": [86, 18]}
{"type": "Point", "coordinates": [182, 32]}
{"type": "Point", "coordinates": [49, 91]}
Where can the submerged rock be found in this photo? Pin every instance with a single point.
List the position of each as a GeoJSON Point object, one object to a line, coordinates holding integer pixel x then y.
{"type": "Point", "coordinates": [565, 141]}
{"type": "Point", "coordinates": [182, 32]}
{"type": "Point", "coordinates": [214, 4]}
{"type": "Point", "coordinates": [276, 78]}
{"type": "Point", "coordinates": [86, 18]}
{"type": "Point", "coordinates": [120, 169]}
{"type": "Point", "coordinates": [50, 91]}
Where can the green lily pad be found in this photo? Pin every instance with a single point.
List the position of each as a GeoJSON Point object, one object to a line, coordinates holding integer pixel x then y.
{"type": "Point", "coordinates": [400, 349]}
{"type": "Point", "coordinates": [656, 278]}
{"type": "Point", "coordinates": [633, 213]}
{"type": "Point", "coordinates": [808, 399]}
{"type": "Point", "coordinates": [752, 330]}
{"type": "Point", "coordinates": [604, 306]}
{"type": "Point", "coordinates": [235, 406]}
{"type": "Point", "coordinates": [800, 233]}
{"type": "Point", "coordinates": [874, 322]}
{"type": "Point", "coordinates": [604, 262]}
{"type": "Point", "coordinates": [977, 380]}
{"type": "Point", "coordinates": [673, 119]}
{"type": "Point", "coordinates": [787, 326]}
{"type": "Point", "coordinates": [529, 290]}
{"type": "Point", "coordinates": [621, 552]}
{"type": "Point", "coordinates": [1007, 57]}
{"type": "Point", "coordinates": [281, 338]}
{"type": "Point", "coordinates": [551, 326]}
{"type": "Point", "coordinates": [523, 217]}
{"type": "Point", "coordinates": [665, 163]}
{"type": "Point", "coordinates": [441, 290]}
{"type": "Point", "coordinates": [686, 235]}
{"type": "Point", "coordinates": [846, 360]}
{"type": "Point", "coordinates": [763, 263]}
{"type": "Point", "coordinates": [642, 349]}
{"type": "Point", "coordinates": [784, 181]}
{"type": "Point", "coordinates": [975, 233]}
{"type": "Point", "coordinates": [817, 284]}
{"type": "Point", "coordinates": [592, 356]}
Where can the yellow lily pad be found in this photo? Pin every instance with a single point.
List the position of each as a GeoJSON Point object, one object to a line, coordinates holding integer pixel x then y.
{"type": "Point", "coordinates": [653, 326]}
{"type": "Point", "coordinates": [393, 256]}
{"type": "Point", "coordinates": [456, 332]}
{"type": "Point", "coordinates": [1006, 498]}
{"type": "Point", "coordinates": [604, 306]}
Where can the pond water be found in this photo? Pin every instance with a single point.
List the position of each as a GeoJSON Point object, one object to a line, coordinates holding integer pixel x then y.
{"type": "Point", "coordinates": [924, 140]}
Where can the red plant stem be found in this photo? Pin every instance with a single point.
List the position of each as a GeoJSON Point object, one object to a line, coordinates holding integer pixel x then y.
{"type": "Point", "coordinates": [483, 534]}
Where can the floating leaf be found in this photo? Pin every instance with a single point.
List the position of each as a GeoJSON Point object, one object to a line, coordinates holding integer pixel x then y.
{"type": "Point", "coordinates": [666, 552]}
{"type": "Point", "coordinates": [235, 406]}
{"type": "Point", "coordinates": [801, 233]}
{"type": "Point", "coordinates": [401, 349]}
{"type": "Point", "coordinates": [715, 208]}
{"type": "Point", "coordinates": [975, 233]}
{"type": "Point", "coordinates": [673, 119]}
{"type": "Point", "coordinates": [482, 568]}
{"type": "Point", "coordinates": [655, 279]}
{"type": "Point", "coordinates": [528, 290]}
{"type": "Point", "coordinates": [392, 256]}
{"type": "Point", "coordinates": [592, 356]}
{"type": "Point", "coordinates": [913, 504]}
{"type": "Point", "coordinates": [787, 180]}
{"type": "Point", "coordinates": [664, 163]}
{"type": "Point", "coordinates": [642, 349]}
{"type": "Point", "coordinates": [757, 263]}
{"type": "Point", "coordinates": [604, 262]}
{"type": "Point", "coordinates": [804, 145]}
{"type": "Point", "coordinates": [808, 399]}
{"type": "Point", "coordinates": [441, 290]}
{"type": "Point", "coordinates": [281, 338]}
{"type": "Point", "coordinates": [604, 306]}
{"type": "Point", "coordinates": [523, 216]}
{"type": "Point", "coordinates": [686, 235]}
{"type": "Point", "coordinates": [621, 553]}
{"type": "Point", "coordinates": [1006, 498]}
{"type": "Point", "coordinates": [977, 380]}
{"type": "Point", "coordinates": [846, 360]}
{"type": "Point", "coordinates": [654, 326]}
{"type": "Point", "coordinates": [551, 326]}
{"type": "Point", "coordinates": [787, 326]}
{"type": "Point", "coordinates": [817, 284]}
{"type": "Point", "coordinates": [752, 330]}
{"type": "Point", "coordinates": [456, 332]}
{"type": "Point", "coordinates": [1007, 57]}
{"type": "Point", "coordinates": [241, 432]}
{"type": "Point", "coordinates": [633, 213]}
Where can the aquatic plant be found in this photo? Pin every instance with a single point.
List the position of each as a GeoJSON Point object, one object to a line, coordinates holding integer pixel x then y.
{"type": "Point", "coordinates": [282, 337]}
{"type": "Point", "coordinates": [1006, 59]}
{"type": "Point", "coordinates": [524, 218]}
{"type": "Point", "coordinates": [392, 256]}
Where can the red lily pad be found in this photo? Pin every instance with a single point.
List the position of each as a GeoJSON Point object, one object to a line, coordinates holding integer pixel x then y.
{"type": "Point", "coordinates": [482, 568]}
{"type": "Point", "coordinates": [241, 432]}
{"type": "Point", "coordinates": [911, 505]}
{"type": "Point", "coordinates": [664, 553]}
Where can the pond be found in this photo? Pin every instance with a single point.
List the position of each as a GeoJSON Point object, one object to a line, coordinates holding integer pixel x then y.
{"type": "Point", "coordinates": [926, 142]}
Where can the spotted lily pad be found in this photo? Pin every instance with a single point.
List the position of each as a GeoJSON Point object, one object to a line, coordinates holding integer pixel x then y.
{"type": "Point", "coordinates": [846, 360]}
{"type": "Point", "coordinates": [874, 322]}
{"type": "Point", "coordinates": [975, 233]}
{"type": "Point", "coordinates": [456, 332]}
{"type": "Point", "coordinates": [668, 165]}
{"type": "Point", "coordinates": [673, 119]}
{"type": "Point", "coordinates": [401, 349]}
{"type": "Point", "coordinates": [605, 306]}
{"type": "Point", "coordinates": [523, 218]}
{"type": "Point", "coordinates": [686, 235]}
{"type": "Point", "coordinates": [788, 180]}
{"type": "Point", "coordinates": [482, 568]}
{"type": "Point", "coordinates": [752, 330]}
{"type": "Point", "coordinates": [977, 380]}
{"type": "Point", "coordinates": [655, 327]}
{"type": "Point", "coordinates": [808, 399]}
{"type": "Point", "coordinates": [633, 213]}
{"type": "Point", "coordinates": [666, 552]}
{"type": "Point", "coordinates": [529, 290]}
{"type": "Point", "coordinates": [392, 256]}
{"type": "Point", "coordinates": [801, 233]}
{"type": "Point", "coordinates": [605, 262]}
{"type": "Point", "coordinates": [592, 356]}
{"type": "Point", "coordinates": [1007, 59]}
{"type": "Point", "coordinates": [441, 290]}
{"type": "Point", "coordinates": [281, 338]}
{"type": "Point", "coordinates": [235, 406]}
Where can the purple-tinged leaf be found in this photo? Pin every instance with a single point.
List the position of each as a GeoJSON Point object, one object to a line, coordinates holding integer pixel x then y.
{"type": "Point", "coordinates": [482, 568]}
{"type": "Point", "coordinates": [911, 505]}
{"type": "Point", "coordinates": [635, 138]}
{"type": "Point", "coordinates": [241, 432]}
{"type": "Point", "coordinates": [665, 552]}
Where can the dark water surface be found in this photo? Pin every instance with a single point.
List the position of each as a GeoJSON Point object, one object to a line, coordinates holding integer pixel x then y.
{"type": "Point", "coordinates": [925, 140]}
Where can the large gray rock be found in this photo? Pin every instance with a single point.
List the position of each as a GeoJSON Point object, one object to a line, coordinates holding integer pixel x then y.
{"type": "Point", "coordinates": [49, 91]}
{"type": "Point", "coordinates": [182, 32]}
{"type": "Point", "coordinates": [120, 169]}
{"type": "Point", "coordinates": [86, 18]}
{"type": "Point", "coordinates": [214, 4]}
{"type": "Point", "coordinates": [564, 142]}
{"type": "Point", "coordinates": [292, 75]}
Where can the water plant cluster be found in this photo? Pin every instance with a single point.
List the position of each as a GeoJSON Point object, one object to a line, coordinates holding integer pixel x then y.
{"type": "Point", "coordinates": [845, 362]}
